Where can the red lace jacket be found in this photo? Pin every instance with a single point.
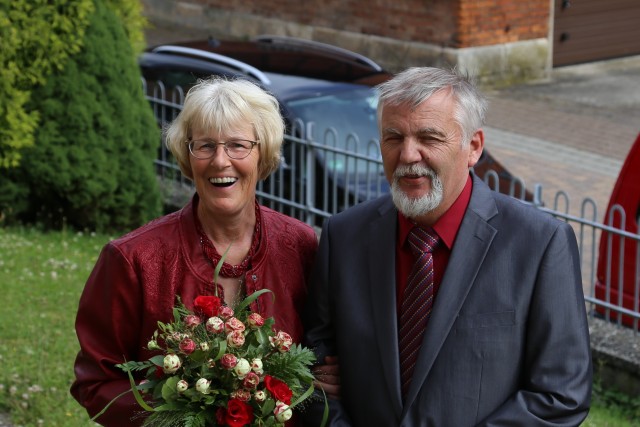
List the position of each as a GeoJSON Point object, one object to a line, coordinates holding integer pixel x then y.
{"type": "Point", "coordinates": [134, 285]}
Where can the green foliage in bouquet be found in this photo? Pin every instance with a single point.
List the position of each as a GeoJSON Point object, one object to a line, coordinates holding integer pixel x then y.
{"type": "Point", "coordinates": [220, 366]}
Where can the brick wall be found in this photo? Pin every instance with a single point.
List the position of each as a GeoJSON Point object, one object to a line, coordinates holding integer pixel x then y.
{"type": "Point", "coordinates": [489, 22]}
{"type": "Point", "coordinates": [500, 41]}
{"type": "Point", "coordinates": [446, 23]}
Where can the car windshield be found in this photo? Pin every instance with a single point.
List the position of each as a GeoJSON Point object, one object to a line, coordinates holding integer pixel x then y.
{"type": "Point", "coordinates": [344, 120]}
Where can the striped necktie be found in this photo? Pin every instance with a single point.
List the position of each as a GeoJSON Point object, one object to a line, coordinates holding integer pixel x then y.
{"type": "Point", "coordinates": [416, 302]}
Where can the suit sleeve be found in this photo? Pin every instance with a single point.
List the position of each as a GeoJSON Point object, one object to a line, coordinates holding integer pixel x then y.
{"type": "Point", "coordinates": [557, 376]}
{"type": "Point", "coordinates": [319, 331]}
{"type": "Point", "coordinates": [108, 313]}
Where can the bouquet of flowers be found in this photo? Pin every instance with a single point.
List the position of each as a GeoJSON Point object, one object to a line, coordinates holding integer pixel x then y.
{"type": "Point", "coordinates": [221, 366]}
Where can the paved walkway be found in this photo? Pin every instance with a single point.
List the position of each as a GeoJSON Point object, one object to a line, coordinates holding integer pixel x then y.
{"type": "Point", "coordinates": [571, 133]}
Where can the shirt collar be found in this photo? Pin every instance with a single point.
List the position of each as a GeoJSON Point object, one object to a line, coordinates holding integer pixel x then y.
{"type": "Point", "coordinates": [448, 224]}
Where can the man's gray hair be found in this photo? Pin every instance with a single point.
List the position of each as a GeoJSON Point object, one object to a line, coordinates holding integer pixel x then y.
{"type": "Point", "coordinates": [417, 84]}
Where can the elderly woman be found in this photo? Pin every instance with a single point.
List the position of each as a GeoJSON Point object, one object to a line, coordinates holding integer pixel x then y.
{"type": "Point", "coordinates": [227, 137]}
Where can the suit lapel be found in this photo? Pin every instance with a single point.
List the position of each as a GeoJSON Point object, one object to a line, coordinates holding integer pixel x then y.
{"type": "Point", "coordinates": [470, 248]}
{"type": "Point", "coordinates": [381, 245]}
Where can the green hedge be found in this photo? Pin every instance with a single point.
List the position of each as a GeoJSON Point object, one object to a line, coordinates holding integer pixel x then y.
{"type": "Point", "coordinates": [91, 166]}
{"type": "Point", "coordinates": [37, 37]}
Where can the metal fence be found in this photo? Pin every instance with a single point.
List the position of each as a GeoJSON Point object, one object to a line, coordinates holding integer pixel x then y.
{"type": "Point", "coordinates": [320, 178]}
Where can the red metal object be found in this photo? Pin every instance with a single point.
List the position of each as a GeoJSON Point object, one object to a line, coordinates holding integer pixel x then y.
{"type": "Point", "coordinates": [619, 253]}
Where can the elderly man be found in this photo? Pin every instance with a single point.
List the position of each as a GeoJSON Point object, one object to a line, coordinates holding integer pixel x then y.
{"type": "Point", "coordinates": [448, 304]}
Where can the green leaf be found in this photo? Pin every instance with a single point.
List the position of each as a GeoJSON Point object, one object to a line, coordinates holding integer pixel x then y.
{"type": "Point", "coordinates": [222, 350]}
{"type": "Point", "coordinates": [251, 298]}
{"type": "Point", "coordinates": [149, 385]}
{"type": "Point", "coordinates": [134, 366]}
{"type": "Point", "coordinates": [306, 394]}
{"type": "Point", "coordinates": [216, 272]}
{"type": "Point", "coordinates": [109, 404]}
{"type": "Point", "coordinates": [261, 337]}
{"type": "Point", "coordinates": [268, 407]}
{"type": "Point", "coordinates": [325, 413]}
{"type": "Point", "coordinates": [195, 420]}
{"type": "Point", "coordinates": [157, 360]}
{"type": "Point", "coordinates": [198, 357]}
{"type": "Point", "coordinates": [169, 391]}
{"type": "Point", "coordinates": [137, 395]}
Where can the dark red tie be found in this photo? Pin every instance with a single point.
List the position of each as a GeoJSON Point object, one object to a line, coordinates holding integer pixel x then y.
{"type": "Point", "coordinates": [416, 302]}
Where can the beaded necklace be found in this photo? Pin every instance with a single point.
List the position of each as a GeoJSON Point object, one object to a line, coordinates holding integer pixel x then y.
{"type": "Point", "coordinates": [211, 254]}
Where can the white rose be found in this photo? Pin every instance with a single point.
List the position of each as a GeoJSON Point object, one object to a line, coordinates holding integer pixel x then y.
{"type": "Point", "coordinates": [235, 339]}
{"type": "Point", "coordinates": [282, 412]}
{"type": "Point", "coordinates": [260, 396]}
{"type": "Point", "coordinates": [202, 385]}
{"type": "Point", "coordinates": [242, 368]}
{"type": "Point", "coordinates": [215, 325]}
{"type": "Point", "coordinates": [256, 366]}
{"type": "Point", "coordinates": [182, 386]}
{"type": "Point", "coordinates": [171, 363]}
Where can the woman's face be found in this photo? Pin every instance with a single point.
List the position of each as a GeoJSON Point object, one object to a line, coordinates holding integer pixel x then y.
{"type": "Point", "coordinates": [226, 186]}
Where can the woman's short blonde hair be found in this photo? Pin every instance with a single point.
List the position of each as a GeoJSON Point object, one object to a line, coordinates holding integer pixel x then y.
{"type": "Point", "coordinates": [218, 103]}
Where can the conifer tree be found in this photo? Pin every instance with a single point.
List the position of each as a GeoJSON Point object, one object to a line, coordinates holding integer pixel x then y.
{"type": "Point", "coordinates": [91, 166]}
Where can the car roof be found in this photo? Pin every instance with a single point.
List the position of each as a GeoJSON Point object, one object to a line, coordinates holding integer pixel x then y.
{"type": "Point", "coordinates": [284, 86]}
{"type": "Point", "coordinates": [154, 63]}
{"type": "Point", "coordinates": [288, 87]}
{"type": "Point", "coordinates": [281, 55]}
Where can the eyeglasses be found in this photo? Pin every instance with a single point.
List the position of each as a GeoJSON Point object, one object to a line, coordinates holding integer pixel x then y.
{"type": "Point", "coordinates": [236, 148]}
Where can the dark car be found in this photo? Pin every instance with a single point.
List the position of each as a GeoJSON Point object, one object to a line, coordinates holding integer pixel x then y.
{"type": "Point", "coordinates": [327, 96]}
{"type": "Point", "coordinates": [618, 273]}
{"type": "Point", "coordinates": [336, 112]}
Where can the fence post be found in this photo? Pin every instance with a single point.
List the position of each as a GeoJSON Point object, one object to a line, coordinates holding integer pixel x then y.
{"type": "Point", "coordinates": [311, 175]}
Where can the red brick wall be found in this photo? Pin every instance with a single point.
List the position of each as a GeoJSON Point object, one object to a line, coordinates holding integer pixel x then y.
{"type": "Point", "coordinates": [487, 22]}
{"type": "Point", "coordinates": [450, 23]}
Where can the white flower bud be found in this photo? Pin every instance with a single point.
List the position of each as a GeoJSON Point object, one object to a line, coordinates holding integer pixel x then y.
{"type": "Point", "coordinates": [202, 385]}
{"type": "Point", "coordinates": [242, 368]}
{"type": "Point", "coordinates": [282, 412]}
{"type": "Point", "coordinates": [171, 363]}
{"type": "Point", "coordinates": [182, 386]}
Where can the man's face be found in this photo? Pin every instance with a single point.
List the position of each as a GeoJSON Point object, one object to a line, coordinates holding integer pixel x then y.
{"type": "Point", "coordinates": [423, 155]}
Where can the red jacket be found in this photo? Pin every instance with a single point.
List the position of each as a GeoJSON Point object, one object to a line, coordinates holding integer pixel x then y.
{"type": "Point", "coordinates": [134, 285]}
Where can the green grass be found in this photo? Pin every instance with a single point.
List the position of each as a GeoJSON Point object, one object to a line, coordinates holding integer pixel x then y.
{"type": "Point", "coordinates": [41, 278]}
{"type": "Point", "coordinates": [608, 417]}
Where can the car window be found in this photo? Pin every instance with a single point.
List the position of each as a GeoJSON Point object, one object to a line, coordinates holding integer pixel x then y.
{"type": "Point", "coordinates": [351, 114]}
{"type": "Point", "coordinates": [344, 120]}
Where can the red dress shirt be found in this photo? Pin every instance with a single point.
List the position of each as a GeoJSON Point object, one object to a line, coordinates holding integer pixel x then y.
{"type": "Point", "coordinates": [447, 228]}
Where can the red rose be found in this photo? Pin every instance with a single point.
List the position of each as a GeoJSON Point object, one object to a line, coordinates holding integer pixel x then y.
{"type": "Point", "coordinates": [207, 304]}
{"type": "Point", "coordinates": [238, 413]}
{"type": "Point", "coordinates": [278, 389]}
{"type": "Point", "coordinates": [255, 321]}
{"type": "Point", "coordinates": [187, 346]}
{"type": "Point", "coordinates": [191, 321]}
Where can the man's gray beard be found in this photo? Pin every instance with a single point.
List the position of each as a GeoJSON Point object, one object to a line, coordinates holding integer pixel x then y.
{"type": "Point", "coordinates": [416, 207]}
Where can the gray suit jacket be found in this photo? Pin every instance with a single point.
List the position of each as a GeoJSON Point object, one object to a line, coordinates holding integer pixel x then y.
{"type": "Point", "coordinates": [507, 343]}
